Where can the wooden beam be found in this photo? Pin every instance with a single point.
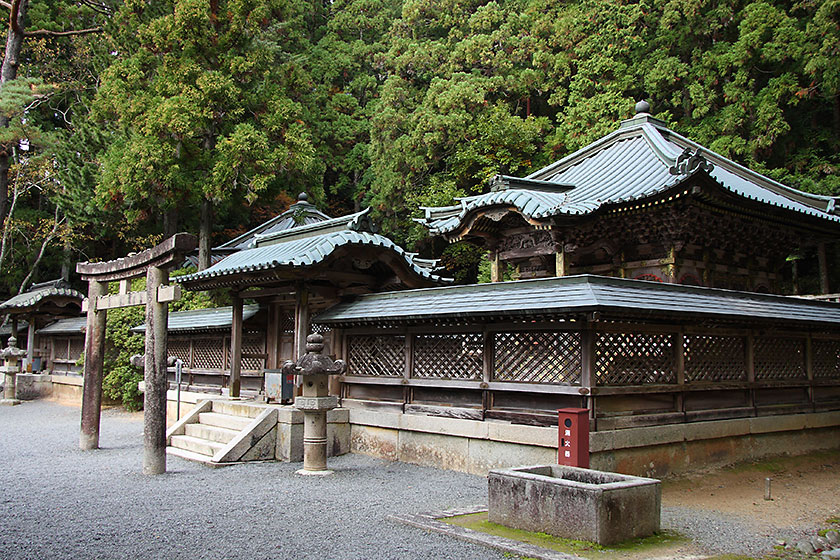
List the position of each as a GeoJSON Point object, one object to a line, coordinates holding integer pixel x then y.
{"type": "Point", "coordinates": [165, 254]}
{"type": "Point", "coordinates": [236, 347]}
{"type": "Point", "coordinates": [165, 294]}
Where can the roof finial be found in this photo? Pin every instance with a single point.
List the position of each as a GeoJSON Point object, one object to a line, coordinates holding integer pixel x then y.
{"type": "Point", "coordinates": [642, 107]}
{"type": "Point", "coordinates": [303, 197]}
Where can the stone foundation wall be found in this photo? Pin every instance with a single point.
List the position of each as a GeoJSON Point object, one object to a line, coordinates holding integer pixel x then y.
{"type": "Point", "coordinates": [479, 446]}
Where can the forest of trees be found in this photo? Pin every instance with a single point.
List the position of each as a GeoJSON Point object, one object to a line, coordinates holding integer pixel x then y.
{"type": "Point", "coordinates": [123, 121]}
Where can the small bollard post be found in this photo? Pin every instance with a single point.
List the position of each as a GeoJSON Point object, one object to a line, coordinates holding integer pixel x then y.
{"type": "Point", "coordinates": [179, 364]}
{"type": "Point", "coordinates": [767, 489]}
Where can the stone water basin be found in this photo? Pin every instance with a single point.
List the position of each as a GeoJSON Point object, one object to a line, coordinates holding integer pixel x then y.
{"type": "Point", "coordinates": [574, 503]}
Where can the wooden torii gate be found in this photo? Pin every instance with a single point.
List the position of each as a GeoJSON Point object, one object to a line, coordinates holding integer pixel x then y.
{"type": "Point", "coordinates": [154, 263]}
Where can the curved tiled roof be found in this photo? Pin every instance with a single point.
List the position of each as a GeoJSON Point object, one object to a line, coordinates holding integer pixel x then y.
{"type": "Point", "coordinates": [574, 295]}
{"type": "Point", "coordinates": [214, 318]}
{"type": "Point", "coordinates": [631, 163]}
{"type": "Point", "coordinates": [304, 252]}
{"type": "Point", "coordinates": [73, 325]}
{"type": "Point", "coordinates": [38, 294]}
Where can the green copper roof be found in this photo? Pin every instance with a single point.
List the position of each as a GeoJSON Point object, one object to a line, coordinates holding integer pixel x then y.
{"type": "Point", "coordinates": [300, 253]}
{"type": "Point", "coordinates": [575, 295]}
{"type": "Point", "coordinates": [641, 159]}
{"type": "Point", "coordinates": [39, 293]}
{"type": "Point", "coordinates": [215, 318]}
{"type": "Point", "coordinates": [73, 325]}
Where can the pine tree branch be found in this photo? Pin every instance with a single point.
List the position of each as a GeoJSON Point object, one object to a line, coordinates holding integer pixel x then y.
{"type": "Point", "coordinates": [47, 33]}
{"type": "Point", "coordinates": [5, 5]}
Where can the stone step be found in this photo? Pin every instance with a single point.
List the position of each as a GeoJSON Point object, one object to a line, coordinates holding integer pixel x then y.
{"type": "Point", "coordinates": [191, 456]}
{"type": "Point", "coordinates": [237, 423]}
{"type": "Point", "coordinates": [212, 433]}
{"type": "Point", "coordinates": [235, 408]}
{"type": "Point", "coordinates": [197, 445]}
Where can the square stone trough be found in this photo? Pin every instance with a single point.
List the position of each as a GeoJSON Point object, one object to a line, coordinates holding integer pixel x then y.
{"type": "Point", "coordinates": [573, 503]}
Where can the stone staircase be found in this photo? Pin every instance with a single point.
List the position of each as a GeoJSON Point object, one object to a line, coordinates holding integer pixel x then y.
{"type": "Point", "coordinates": [220, 432]}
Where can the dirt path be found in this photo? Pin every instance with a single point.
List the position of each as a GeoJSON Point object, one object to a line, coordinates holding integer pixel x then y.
{"type": "Point", "coordinates": [805, 491]}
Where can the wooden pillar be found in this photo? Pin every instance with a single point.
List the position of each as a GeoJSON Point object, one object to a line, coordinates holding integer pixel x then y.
{"type": "Point", "coordinates": [679, 365]}
{"type": "Point", "coordinates": [560, 265]}
{"type": "Point", "coordinates": [236, 347]}
{"type": "Point", "coordinates": [30, 342]}
{"type": "Point", "coordinates": [301, 320]}
{"type": "Point", "coordinates": [155, 375]}
{"type": "Point", "coordinates": [94, 358]}
{"type": "Point", "coordinates": [587, 372]}
{"type": "Point", "coordinates": [825, 288]}
{"type": "Point", "coordinates": [272, 335]}
{"type": "Point", "coordinates": [671, 266]}
{"type": "Point", "coordinates": [495, 267]}
{"type": "Point", "coordinates": [749, 362]}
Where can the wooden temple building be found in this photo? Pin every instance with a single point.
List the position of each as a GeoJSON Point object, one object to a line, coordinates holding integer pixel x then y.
{"type": "Point", "coordinates": [640, 261]}
{"type": "Point", "coordinates": [39, 306]}
{"type": "Point", "coordinates": [645, 203]}
{"type": "Point", "coordinates": [296, 264]}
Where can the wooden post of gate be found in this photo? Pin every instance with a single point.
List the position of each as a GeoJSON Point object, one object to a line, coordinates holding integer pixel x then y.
{"type": "Point", "coordinates": [154, 263]}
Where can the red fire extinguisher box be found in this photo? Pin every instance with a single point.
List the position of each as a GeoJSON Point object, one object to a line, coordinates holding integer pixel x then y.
{"type": "Point", "coordinates": [573, 437]}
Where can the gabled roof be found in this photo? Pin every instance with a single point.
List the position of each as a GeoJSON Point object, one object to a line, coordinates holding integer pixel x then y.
{"type": "Point", "coordinates": [643, 158]}
{"type": "Point", "coordinates": [301, 252]}
{"type": "Point", "coordinates": [54, 291]}
{"type": "Point", "coordinates": [301, 213]}
{"type": "Point", "coordinates": [215, 318]}
{"type": "Point", "coordinates": [73, 325]}
{"type": "Point", "coordinates": [571, 296]}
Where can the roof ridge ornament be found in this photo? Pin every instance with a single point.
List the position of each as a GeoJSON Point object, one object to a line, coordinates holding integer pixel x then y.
{"type": "Point", "coordinates": [689, 161]}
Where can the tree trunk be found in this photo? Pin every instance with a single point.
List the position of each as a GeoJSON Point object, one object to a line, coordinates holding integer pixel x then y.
{"type": "Point", "coordinates": [204, 230]}
{"type": "Point", "coordinates": [8, 72]}
{"type": "Point", "coordinates": [170, 222]}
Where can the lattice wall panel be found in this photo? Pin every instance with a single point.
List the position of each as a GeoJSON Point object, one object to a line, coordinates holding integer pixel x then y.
{"type": "Point", "coordinates": [254, 344]}
{"type": "Point", "coordinates": [378, 355]}
{"type": "Point", "coordinates": [450, 356]}
{"type": "Point", "coordinates": [634, 359]}
{"type": "Point", "coordinates": [779, 358]}
{"type": "Point", "coordinates": [537, 357]}
{"type": "Point", "coordinates": [77, 348]}
{"type": "Point", "coordinates": [208, 353]}
{"type": "Point", "coordinates": [320, 329]}
{"type": "Point", "coordinates": [826, 358]}
{"type": "Point", "coordinates": [179, 348]}
{"type": "Point", "coordinates": [714, 358]}
{"type": "Point", "coordinates": [287, 323]}
{"type": "Point", "coordinates": [60, 348]}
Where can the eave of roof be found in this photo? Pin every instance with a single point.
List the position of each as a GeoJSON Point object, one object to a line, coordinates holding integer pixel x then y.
{"type": "Point", "coordinates": [215, 318]}
{"type": "Point", "coordinates": [631, 163]}
{"type": "Point", "coordinates": [73, 325]}
{"type": "Point", "coordinates": [301, 253]}
{"type": "Point", "coordinates": [572, 296]}
{"type": "Point", "coordinates": [35, 297]}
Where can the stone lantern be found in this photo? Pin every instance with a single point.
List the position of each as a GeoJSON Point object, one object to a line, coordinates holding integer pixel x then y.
{"type": "Point", "coordinates": [315, 369]}
{"type": "Point", "coordinates": [11, 355]}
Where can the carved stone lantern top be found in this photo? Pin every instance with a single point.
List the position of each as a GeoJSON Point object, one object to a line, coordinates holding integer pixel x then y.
{"type": "Point", "coordinates": [314, 362]}
{"type": "Point", "coordinates": [12, 353]}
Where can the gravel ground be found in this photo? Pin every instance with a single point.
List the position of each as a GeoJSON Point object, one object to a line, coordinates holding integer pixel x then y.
{"type": "Point", "coordinates": [59, 502]}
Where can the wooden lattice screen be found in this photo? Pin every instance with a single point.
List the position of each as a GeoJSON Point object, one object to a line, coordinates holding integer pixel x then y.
{"type": "Point", "coordinates": [779, 358]}
{"type": "Point", "coordinates": [449, 356]}
{"type": "Point", "coordinates": [634, 359]}
{"type": "Point", "coordinates": [251, 344]}
{"type": "Point", "coordinates": [714, 358]}
{"type": "Point", "coordinates": [537, 357]}
{"type": "Point", "coordinates": [208, 353]}
{"type": "Point", "coordinates": [379, 355]}
{"type": "Point", "coordinates": [75, 347]}
{"type": "Point", "coordinates": [179, 348]}
{"type": "Point", "coordinates": [61, 348]}
{"type": "Point", "coordinates": [826, 358]}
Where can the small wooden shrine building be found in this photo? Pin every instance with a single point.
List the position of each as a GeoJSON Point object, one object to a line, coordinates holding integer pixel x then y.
{"type": "Point", "coordinates": [298, 263]}
{"type": "Point", "coordinates": [40, 305]}
{"type": "Point", "coordinates": [645, 203]}
{"type": "Point", "coordinates": [62, 344]}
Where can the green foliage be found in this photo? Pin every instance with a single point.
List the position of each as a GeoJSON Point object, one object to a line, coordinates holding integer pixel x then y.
{"type": "Point", "coordinates": [121, 378]}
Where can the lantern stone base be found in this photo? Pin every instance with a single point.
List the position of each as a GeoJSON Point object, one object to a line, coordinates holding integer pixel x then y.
{"type": "Point", "coordinates": [304, 472]}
